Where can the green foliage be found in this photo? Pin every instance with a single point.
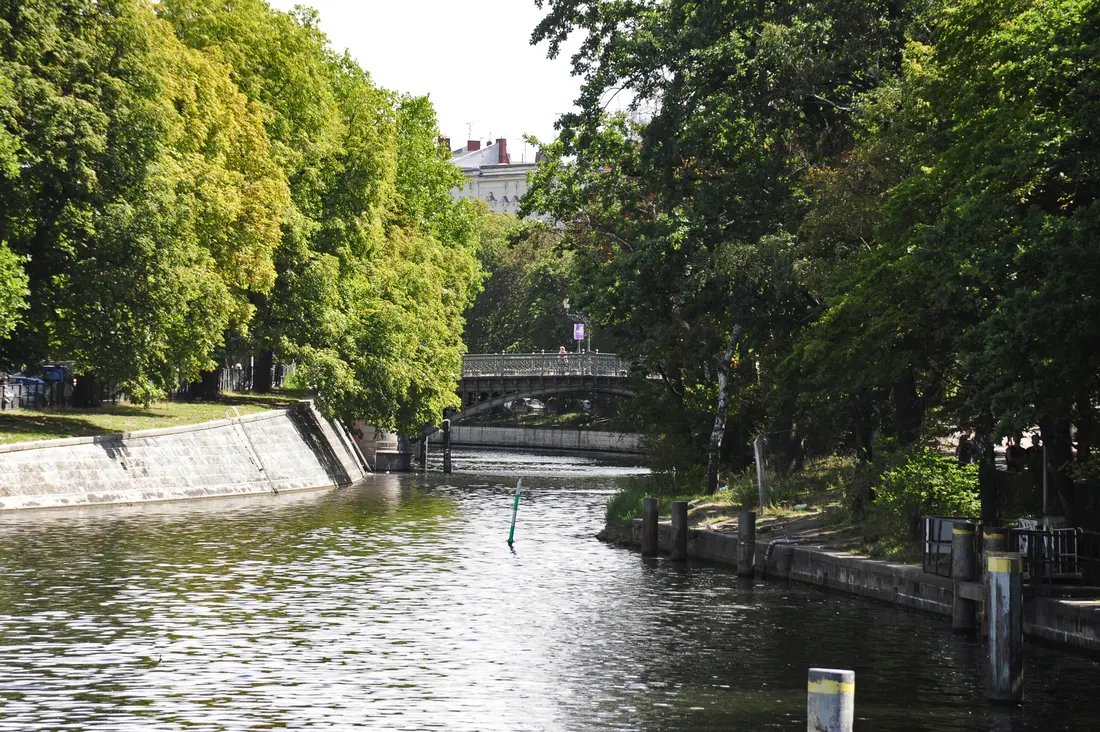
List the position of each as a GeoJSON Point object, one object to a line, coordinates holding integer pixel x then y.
{"type": "Point", "coordinates": [923, 482]}
{"type": "Point", "coordinates": [13, 290]}
{"type": "Point", "coordinates": [179, 176]}
{"type": "Point", "coordinates": [521, 304]}
{"type": "Point", "coordinates": [896, 201]}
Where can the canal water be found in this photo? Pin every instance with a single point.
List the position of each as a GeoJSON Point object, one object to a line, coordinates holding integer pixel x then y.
{"type": "Point", "coordinates": [397, 605]}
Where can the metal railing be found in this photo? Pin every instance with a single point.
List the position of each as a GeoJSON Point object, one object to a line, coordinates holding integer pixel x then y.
{"type": "Point", "coordinates": [1056, 555]}
{"type": "Point", "coordinates": [937, 543]}
{"type": "Point", "coordinates": [41, 394]}
{"type": "Point", "coordinates": [543, 364]}
{"type": "Point", "coordinates": [50, 395]}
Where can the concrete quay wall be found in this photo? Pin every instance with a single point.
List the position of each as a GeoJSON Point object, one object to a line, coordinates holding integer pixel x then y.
{"type": "Point", "coordinates": [1072, 622]}
{"type": "Point", "coordinates": [273, 451]}
{"type": "Point", "coordinates": [544, 438]}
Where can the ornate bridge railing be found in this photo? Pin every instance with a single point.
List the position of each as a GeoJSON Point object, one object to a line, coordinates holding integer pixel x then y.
{"type": "Point", "coordinates": [476, 365]}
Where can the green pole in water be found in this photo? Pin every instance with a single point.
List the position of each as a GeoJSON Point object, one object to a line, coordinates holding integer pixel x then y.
{"type": "Point", "coordinates": [515, 510]}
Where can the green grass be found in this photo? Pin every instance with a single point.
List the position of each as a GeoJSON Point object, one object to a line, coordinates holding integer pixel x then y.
{"type": "Point", "coordinates": [821, 482]}
{"type": "Point", "coordinates": [22, 425]}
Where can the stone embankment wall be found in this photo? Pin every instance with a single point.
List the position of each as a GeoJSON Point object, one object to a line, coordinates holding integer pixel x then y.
{"type": "Point", "coordinates": [1073, 622]}
{"type": "Point", "coordinates": [542, 438]}
{"type": "Point", "coordinates": [278, 450]}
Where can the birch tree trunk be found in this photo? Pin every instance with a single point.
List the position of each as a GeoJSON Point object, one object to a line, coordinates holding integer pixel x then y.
{"type": "Point", "coordinates": [715, 449]}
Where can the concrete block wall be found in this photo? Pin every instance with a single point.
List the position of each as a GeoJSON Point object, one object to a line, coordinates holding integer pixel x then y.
{"type": "Point", "coordinates": [901, 584]}
{"type": "Point", "coordinates": [279, 450]}
{"type": "Point", "coordinates": [1073, 622]}
{"type": "Point", "coordinates": [551, 438]}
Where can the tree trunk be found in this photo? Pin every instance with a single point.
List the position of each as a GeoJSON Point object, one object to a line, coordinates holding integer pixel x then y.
{"type": "Point", "coordinates": [715, 449]}
{"type": "Point", "coordinates": [1056, 438]}
{"type": "Point", "coordinates": [788, 446]}
{"type": "Point", "coordinates": [865, 427]}
{"type": "Point", "coordinates": [206, 389]}
{"type": "Point", "coordinates": [987, 476]}
{"type": "Point", "coordinates": [86, 392]}
{"type": "Point", "coordinates": [908, 410]}
{"type": "Point", "coordinates": [1086, 424]}
{"type": "Point", "coordinates": [261, 376]}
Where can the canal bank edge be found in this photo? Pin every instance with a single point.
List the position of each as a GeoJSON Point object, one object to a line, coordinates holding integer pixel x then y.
{"type": "Point", "coordinates": [267, 452]}
{"type": "Point", "coordinates": [1071, 622]}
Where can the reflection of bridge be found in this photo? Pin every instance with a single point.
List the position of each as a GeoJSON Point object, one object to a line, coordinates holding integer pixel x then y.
{"type": "Point", "coordinates": [490, 380]}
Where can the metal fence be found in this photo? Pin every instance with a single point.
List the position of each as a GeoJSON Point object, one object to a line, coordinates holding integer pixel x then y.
{"type": "Point", "coordinates": [1057, 556]}
{"type": "Point", "coordinates": [543, 364]}
{"type": "Point", "coordinates": [33, 393]}
{"type": "Point", "coordinates": [240, 379]}
{"type": "Point", "coordinates": [936, 549]}
{"type": "Point", "coordinates": [1050, 555]}
{"type": "Point", "coordinates": [49, 394]}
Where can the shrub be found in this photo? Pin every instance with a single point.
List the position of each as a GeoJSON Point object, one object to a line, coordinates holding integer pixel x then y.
{"type": "Point", "coordinates": [923, 482]}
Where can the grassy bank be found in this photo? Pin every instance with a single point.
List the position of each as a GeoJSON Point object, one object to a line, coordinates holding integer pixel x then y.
{"type": "Point", "coordinates": [811, 504]}
{"type": "Point", "coordinates": [22, 425]}
{"type": "Point", "coordinates": [821, 483]}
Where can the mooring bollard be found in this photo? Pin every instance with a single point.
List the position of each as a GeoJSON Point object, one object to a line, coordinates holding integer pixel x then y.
{"type": "Point", "coordinates": [964, 567]}
{"type": "Point", "coordinates": [831, 700]}
{"type": "Point", "coordinates": [1006, 626]}
{"type": "Point", "coordinates": [746, 544]}
{"type": "Point", "coordinates": [422, 451]}
{"type": "Point", "coordinates": [649, 527]}
{"type": "Point", "coordinates": [994, 539]}
{"type": "Point", "coordinates": [679, 530]}
{"type": "Point", "coordinates": [447, 446]}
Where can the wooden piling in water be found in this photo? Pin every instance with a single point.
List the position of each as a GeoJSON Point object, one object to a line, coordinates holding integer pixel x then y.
{"type": "Point", "coordinates": [447, 446]}
{"type": "Point", "coordinates": [679, 530]}
{"type": "Point", "coordinates": [994, 539]}
{"type": "Point", "coordinates": [964, 566]}
{"type": "Point", "coordinates": [746, 544]}
{"type": "Point", "coordinates": [1006, 626]}
{"type": "Point", "coordinates": [649, 527]}
{"type": "Point", "coordinates": [830, 700]}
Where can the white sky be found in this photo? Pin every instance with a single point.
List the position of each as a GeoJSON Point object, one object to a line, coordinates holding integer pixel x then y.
{"type": "Point", "coordinates": [472, 57]}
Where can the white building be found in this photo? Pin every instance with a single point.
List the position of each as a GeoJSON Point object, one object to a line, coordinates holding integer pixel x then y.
{"type": "Point", "coordinates": [491, 175]}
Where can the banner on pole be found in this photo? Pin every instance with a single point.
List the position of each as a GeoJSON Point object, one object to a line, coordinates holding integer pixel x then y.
{"type": "Point", "coordinates": [578, 331]}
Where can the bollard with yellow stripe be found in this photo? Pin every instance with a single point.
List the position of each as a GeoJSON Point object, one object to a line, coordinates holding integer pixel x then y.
{"type": "Point", "coordinates": [964, 568]}
{"type": "Point", "coordinates": [830, 700]}
{"type": "Point", "coordinates": [1004, 571]}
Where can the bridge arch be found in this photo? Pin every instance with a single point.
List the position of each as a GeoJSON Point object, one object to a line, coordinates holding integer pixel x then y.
{"type": "Point", "coordinates": [535, 391]}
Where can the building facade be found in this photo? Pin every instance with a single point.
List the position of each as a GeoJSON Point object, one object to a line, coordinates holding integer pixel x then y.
{"type": "Point", "coordinates": [491, 176]}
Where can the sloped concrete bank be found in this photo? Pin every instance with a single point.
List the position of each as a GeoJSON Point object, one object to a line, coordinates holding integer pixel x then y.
{"type": "Point", "coordinates": [279, 450]}
{"type": "Point", "coordinates": [1074, 622]}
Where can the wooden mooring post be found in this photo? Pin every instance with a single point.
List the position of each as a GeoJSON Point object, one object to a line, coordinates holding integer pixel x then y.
{"type": "Point", "coordinates": [964, 567]}
{"type": "Point", "coordinates": [679, 530]}
{"type": "Point", "coordinates": [746, 544]}
{"type": "Point", "coordinates": [649, 527]}
{"type": "Point", "coordinates": [447, 446]}
{"type": "Point", "coordinates": [1006, 626]}
{"type": "Point", "coordinates": [831, 700]}
{"type": "Point", "coordinates": [994, 539]}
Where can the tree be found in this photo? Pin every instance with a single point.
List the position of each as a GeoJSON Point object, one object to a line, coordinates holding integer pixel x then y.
{"type": "Point", "coordinates": [13, 290]}
{"type": "Point", "coordinates": [685, 217]}
{"type": "Point", "coordinates": [522, 306]}
{"type": "Point", "coordinates": [143, 198]}
{"type": "Point", "coordinates": [1002, 215]}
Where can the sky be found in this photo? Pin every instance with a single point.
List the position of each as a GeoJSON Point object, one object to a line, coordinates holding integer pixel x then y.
{"type": "Point", "coordinates": [473, 58]}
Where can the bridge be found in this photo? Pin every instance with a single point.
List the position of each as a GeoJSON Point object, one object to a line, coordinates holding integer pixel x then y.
{"type": "Point", "coordinates": [491, 380]}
